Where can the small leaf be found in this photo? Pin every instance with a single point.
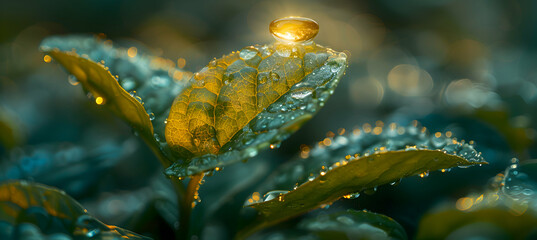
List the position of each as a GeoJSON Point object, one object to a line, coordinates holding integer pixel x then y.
{"type": "Point", "coordinates": [33, 211]}
{"type": "Point", "coordinates": [383, 162]}
{"type": "Point", "coordinates": [247, 101]}
{"type": "Point", "coordinates": [352, 224]}
{"type": "Point", "coordinates": [153, 82]}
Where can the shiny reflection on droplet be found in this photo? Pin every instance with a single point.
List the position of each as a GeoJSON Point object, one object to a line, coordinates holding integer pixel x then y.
{"type": "Point", "coordinates": [367, 92]}
{"type": "Point", "coordinates": [294, 29]}
{"type": "Point", "coordinates": [409, 80]}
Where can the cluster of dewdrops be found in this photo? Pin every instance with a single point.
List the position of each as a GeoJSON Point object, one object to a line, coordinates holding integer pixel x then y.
{"type": "Point", "coordinates": [341, 137]}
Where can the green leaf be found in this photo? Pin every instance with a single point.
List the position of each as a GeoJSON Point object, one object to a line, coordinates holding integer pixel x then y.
{"type": "Point", "coordinates": [33, 211]}
{"type": "Point", "coordinates": [387, 156]}
{"type": "Point", "coordinates": [248, 100]}
{"type": "Point", "coordinates": [507, 210]}
{"type": "Point", "coordinates": [108, 72]}
{"type": "Point", "coordinates": [352, 224]}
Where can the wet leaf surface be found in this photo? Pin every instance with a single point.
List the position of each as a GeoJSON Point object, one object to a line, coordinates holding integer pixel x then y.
{"type": "Point", "coordinates": [248, 100]}
{"type": "Point", "coordinates": [352, 224]}
{"type": "Point", "coordinates": [35, 211]}
{"type": "Point", "coordinates": [380, 157]}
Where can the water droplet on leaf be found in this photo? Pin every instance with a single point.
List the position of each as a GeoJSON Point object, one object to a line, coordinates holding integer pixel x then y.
{"type": "Point", "coordinates": [294, 29]}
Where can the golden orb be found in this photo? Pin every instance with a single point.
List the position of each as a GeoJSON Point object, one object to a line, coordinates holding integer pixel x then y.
{"type": "Point", "coordinates": [294, 29]}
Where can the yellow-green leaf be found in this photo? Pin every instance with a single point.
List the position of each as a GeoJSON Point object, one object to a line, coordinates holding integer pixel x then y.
{"type": "Point", "coordinates": [248, 100]}
{"type": "Point", "coordinates": [35, 211]}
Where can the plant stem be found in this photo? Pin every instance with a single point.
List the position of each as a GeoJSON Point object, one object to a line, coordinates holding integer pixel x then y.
{"type": "Point", "coordinates": [186, 204]}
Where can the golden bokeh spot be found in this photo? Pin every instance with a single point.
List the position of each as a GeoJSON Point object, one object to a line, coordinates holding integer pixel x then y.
{"type": "Point", "coordinates": [294, 29]}
{"type": "Point", "coordinates": [181, 62]}
{"type": "Point", "coordinates": [377, 130]}
{"type": "Point", "coordinates": [327, 142]}
{"type": "Point", "coordinates": [99, 100]}
{"type": "Point", "coordinates": [47, 58]}
{"type": "Point", "coordinates": [464, 203]}
{"type": "Point", "coordinates": [132, 52]}
{"type": "Point", "coordinates": [367, 127]}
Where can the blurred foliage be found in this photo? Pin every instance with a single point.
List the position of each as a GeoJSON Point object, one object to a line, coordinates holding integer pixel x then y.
{"type": "Point", "coordinates": [34, 211]}
{"type": "Point", "coordinates": [506, 210]}
{"type": "Point", "coordinates": [461, 68]}
{"type": "Point", "coordinates": [350, 224]}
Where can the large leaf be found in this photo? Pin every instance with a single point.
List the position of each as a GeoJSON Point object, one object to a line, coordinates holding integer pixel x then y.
{"type": "Point", "coordinates": [347, 165]}
{"type": "Point", "coordinates": [33, 211]}
{"type": "Point", "coordinates": [248, 100]}
{"type": "Point", "coordinates": [506, 210]}
{"type": "Point", "coordinates": [108, 72]}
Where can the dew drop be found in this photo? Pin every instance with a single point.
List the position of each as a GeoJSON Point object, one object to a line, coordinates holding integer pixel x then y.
{"type": "Point", "coordinates": [274, 194]}
{"type": "Point", "coordinates": [352, 195]}
{"type": "Point", "coordinates": [151, 116]}
{"type": "Point", "coordinates": [72, 80]}
{"type": "Point", "coordinates": [301, 93]}
{"type": "Point", "coordinates": [274, 76]}
{"type": "Point", "coordinates": [294, 29]}
{"type": "Point", "coordinates": [247, 53]}
{"type": "Point", "coordinates": [396, 182]}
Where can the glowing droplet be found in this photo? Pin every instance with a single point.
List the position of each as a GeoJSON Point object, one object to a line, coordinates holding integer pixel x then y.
{"type": "Point", "coordinates": [47, 58]}
{"type": "Point", "coordinates": [294, 29]}
{"type": "Point", "coordinates": [99, 100]}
